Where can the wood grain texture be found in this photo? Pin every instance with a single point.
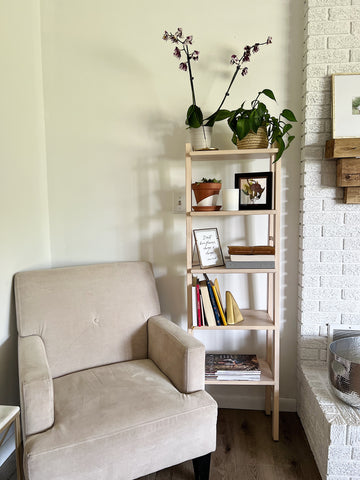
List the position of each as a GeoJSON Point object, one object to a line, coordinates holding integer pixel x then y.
{"type": "Point", "coordinates": [342, 147]}
{"type": "Point", "coordinates": [348, 172]}
{"type": "Point", "coordinates": [246, 451]}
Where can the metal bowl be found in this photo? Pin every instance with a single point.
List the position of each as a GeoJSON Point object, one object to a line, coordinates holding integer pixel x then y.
{"type": "Point", "coordinates": [344, 369]}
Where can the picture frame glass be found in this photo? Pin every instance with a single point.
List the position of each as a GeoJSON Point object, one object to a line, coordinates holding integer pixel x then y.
{"type": "Point", "coordinates": [208, 247]}
{"type": "Point", "coordinates": [255, 190]}
{"type": "Point", "coordinates": [346, 105]}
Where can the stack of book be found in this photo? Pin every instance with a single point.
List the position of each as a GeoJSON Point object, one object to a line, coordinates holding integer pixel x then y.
{"type": "Point", "coordinates": [261, 256]}
{"type": "Point", "coordinates": [209, 306]}
{"type": "Point", "coordinates": [224, 366]}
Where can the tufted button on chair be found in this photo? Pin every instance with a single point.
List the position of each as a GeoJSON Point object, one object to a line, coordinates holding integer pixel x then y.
{"type": "Point", "coordinates": [109, 388]}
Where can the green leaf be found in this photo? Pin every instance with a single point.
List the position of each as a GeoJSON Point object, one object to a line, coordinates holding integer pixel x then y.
{"type": "Point", "coordinates": [234, 139]}
{"type": "Point", "coordinates": [217, 117]}
{"type": "Point", "coordinates": [242, 128]}
{"type": "Point", "coordinates": [261, 109]}
{"type": "Point", "coordinates": [194, 117]}
{"type": "Point", "coordinates": [288, 114]}
{"type": "Point", "coordinates": [287, 127]}
{"type": "Point", "coordinates": [269, 93]}
{"type": "Point", "coordinates": [289, 140]}
{"type": "Point", "coordinates": [281, 147]}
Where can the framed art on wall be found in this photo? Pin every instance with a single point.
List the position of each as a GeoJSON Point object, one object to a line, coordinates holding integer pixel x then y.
{"type": "Point", "coordinates": [255, 190]}
{"type": "Point", "coordinates": [346, 105]}
{"type": "Point", "coordinates": [208, 247]}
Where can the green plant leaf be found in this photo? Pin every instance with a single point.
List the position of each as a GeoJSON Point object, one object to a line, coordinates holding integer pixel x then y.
{"type": "Point", "coordinates": [242, 128]}
{"type": "Point", "coordinates": [287, 127]}
{"type": "Point", "coordinates": [281, 147]}
{"type": "Point", "coordinates": [288, 114]}
{"type": "Point", "coordinates": [269, 93]}
{"type": "Point", "coordinates": [261, 109]}
{"type": "Point", "coordinates": [194, 117]}
{"type": "Point", "coordinates": [289, 140]}
{"type": "Point", "coordinates": [217, 117]}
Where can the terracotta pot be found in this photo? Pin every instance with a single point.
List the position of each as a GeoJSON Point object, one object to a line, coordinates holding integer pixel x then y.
{"type": "Point", "coordinates": [205, 191]}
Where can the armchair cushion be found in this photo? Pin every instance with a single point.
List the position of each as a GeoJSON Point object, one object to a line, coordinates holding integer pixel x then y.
{"type": "Point", "coordinates": [133, 408]}
{"type": "Point", "coordinates": [36, 386]}
{"type": "Point", "coordinates": [179, 355]}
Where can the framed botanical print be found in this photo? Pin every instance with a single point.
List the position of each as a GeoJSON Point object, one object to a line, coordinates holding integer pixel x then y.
{"type": "Point", "coordinates": [346, 105]}
{"type": "Point", "coordinates": [255, 190]}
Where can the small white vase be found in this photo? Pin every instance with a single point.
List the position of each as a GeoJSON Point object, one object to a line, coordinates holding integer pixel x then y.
{"type": "Point", "coordinates": [200, 138]}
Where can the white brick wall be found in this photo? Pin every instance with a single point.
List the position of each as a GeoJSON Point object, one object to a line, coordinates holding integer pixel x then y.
{"type": "Point", "coordinates": [329, 230]}
{"type": "Point", "coordinates": [332, 428]}
{"type": "Point", "coordinates": [329, 240]}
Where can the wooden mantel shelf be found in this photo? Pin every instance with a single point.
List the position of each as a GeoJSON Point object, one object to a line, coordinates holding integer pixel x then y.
{"type": "Point", "coordinates": [342, 148]}
{"type": "Point", "coordinates": [346, 151]}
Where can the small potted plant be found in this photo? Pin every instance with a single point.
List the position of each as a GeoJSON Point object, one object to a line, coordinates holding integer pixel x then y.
{"type": "Point", "coordinates": [206, 193]}
{"type": "Point", "coordinates": [255, 127]}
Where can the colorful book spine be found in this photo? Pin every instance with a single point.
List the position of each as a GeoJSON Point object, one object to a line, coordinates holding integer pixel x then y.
{"type": "Point", "coordinates": [213, 301]}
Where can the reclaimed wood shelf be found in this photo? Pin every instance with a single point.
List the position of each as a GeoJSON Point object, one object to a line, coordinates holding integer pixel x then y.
{"type": "Point", "coordinates": [346, 151]}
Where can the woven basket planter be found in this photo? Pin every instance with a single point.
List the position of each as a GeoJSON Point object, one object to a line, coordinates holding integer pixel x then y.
{"type": "Point", "coordinates": [254, 140]}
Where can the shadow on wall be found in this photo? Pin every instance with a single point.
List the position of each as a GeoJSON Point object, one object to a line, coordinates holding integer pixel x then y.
{"type": "Point", "coordinates": [162, 233]}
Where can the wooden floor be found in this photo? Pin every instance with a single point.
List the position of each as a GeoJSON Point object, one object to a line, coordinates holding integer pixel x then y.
{"type": "Point", "coordinates": [246, 451]}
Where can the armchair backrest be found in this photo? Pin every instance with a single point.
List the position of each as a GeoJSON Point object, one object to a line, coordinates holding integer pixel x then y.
{"type": "Point", "coordinates": [87, 316]}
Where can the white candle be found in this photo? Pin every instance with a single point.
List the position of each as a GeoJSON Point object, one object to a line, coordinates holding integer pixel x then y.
{"type": "Point", "coordinates": [230, 197]}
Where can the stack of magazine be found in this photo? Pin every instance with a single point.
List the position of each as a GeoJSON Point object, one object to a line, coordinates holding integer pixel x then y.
{"type": "Point", "coordinates": [224, 366]}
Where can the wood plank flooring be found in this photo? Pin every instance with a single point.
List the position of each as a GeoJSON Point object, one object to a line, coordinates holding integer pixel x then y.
{"type": "Point", "coordinates": [246, 451]}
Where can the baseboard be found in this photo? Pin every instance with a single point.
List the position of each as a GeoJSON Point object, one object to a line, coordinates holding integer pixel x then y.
{"type": "Point", "coordinates": [236, 401]}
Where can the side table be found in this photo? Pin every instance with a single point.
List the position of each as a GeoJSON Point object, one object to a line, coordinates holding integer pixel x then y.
{"type": "Point", "coordinates": [8, 415]}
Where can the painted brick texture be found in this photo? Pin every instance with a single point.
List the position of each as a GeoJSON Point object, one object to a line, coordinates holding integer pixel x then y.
{"type": "Point", "coordinates": [329, 241]}
{"type": "Point", "coordinates": [329, 236]}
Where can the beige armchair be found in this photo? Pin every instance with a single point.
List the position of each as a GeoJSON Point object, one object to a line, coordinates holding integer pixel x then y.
{"type": "Point", "coordinates": [109, 388]}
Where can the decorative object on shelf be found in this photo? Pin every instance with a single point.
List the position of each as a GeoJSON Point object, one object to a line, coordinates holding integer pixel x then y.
{"type": "Point", "coordinates": [255, 190]}
{"type": "Point", "coordinates": [206, 194]}
{"type": "Point", "coordinates": [208, 247]}
{"type": "Point", "coordinates": [233, 313]}
{"type": "Point", "coordinates": [230, 199]}
{"type": "Point", "coordinates": [244, 121]}
{"type": "Point", "coordinates": [346, 105]}
{"type": "Point", "coordinates": [194, 115]}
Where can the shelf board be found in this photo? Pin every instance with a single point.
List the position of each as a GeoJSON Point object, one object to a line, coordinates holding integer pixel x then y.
{"type": "Point", "coordinates": [232, 213]}
{"type": "Point", "coordinates": [231, 154]}
{"type": "Point", "coordinates": [253, 320]}
{"type": "Point", "coordinates": [216, 270]}
{"type": "Point", "coordinates": [266, 377]}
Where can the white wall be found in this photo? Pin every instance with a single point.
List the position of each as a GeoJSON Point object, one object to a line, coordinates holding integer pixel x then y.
{"type": "Point", "coordinates": [113, 140]}
{"type": "Point", "coordinates": [115, 103]}
{"type": "Point", "coordinates": [24, 231]}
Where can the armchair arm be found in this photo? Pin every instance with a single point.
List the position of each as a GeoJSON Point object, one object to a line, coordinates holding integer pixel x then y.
{"type": "Point", "coordinates": [179, 356]}
{"type": "Point", "coordinates": [36, 386]}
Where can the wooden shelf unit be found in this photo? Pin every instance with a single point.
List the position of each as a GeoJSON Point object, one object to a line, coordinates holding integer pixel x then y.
{"type": "Point", "coordinates": [267, 321]}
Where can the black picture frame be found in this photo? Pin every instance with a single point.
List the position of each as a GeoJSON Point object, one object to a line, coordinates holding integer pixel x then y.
{"type": "Point", "coordinates": [265, 180]}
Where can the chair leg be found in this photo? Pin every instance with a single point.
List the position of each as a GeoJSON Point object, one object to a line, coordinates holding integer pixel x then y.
{"type": "Point", "coordinates": [202, 467]}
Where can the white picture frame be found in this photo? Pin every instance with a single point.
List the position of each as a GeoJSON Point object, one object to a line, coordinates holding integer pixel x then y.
{"type": "Point", "coordinates": [208, 247]}
{"type": "Point", "coordinates": [346, 105]}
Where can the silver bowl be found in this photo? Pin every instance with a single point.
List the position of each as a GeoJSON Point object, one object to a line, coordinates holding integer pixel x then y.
{"type": "Point", "coordinates": [344, 369]}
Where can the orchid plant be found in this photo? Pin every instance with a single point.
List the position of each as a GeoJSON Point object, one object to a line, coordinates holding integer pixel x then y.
{"type": "Point", "coordinates": [184, 52]}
